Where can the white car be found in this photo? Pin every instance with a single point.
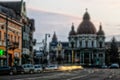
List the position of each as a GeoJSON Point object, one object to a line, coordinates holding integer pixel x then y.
{"type": "Point", "coordinates": [37, 68]}
{"type": "Point", "coordinates": [51, 67]}
{"type": "Point", "coordinates": [28, 68]}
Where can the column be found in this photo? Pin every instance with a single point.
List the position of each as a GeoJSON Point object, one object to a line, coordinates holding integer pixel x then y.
{"type": "Point", "coordinates": [103, 58]}
{"type": "Point", "coordinates": [83, 58]}
{"type": "Point", "coordinates": [89, 58]}
{"type": "Point", "coordinates": [80, 59]}
{"type": "Point", "coordinates": [75, 56]}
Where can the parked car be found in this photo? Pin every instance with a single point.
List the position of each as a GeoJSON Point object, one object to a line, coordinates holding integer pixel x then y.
{"type": "Point", "coordinates": [114, 65]}
{"type": "Point", "coordinates": [37, 68]}
{"type": "Point", "coordinates": [7, 70]}
{"type": "Point", "coordinates": [28, 68]}
{"type": "Point", "coordinates": [104, 66]}
{"type": "Point", "coordinates": [19, 69]}
{"type": "Point", "coordinates": [51, 67]}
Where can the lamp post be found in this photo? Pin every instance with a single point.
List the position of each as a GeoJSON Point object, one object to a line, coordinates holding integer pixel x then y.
{"type": "Point", "coordinates": [45, 43]}
{"type": "Point", "coordinates": [44, 57]}
{"type": "Point", "coordinates": [7, 60]}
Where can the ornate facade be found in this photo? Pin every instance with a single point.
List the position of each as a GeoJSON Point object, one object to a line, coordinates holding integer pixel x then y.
{"type": "Point", "coordinates": [86, 45]}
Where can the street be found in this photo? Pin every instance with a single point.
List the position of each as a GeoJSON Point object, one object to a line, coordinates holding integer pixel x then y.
{"type": "Point", "coordinates": [85, 74]}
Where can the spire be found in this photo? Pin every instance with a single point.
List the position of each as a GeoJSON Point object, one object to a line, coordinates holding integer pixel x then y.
{"type": "Point", "coordinates": [86, 9]}
{"type": "Point", "coordinates": [100, 32]}
{"type": "Point", "coordinates": [72, 32]}
{"type": "Point", "coordinates": [100, 28]}
{"type": "Point", "coordinates": [72, 26]}
{"type": "Point", "coordinates": [54, 38]}
{"type": "Point", "coordinates": [86, 15]}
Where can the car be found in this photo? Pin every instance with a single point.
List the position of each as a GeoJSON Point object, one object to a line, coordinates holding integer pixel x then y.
{"type": "Point", "coordinates": [7, 70]}
{"type": "Point", "coordinates": [28, 68]}
{"type": "Point", "coordinates": [51, 67]}
{"type": "Point", "coordinates": [104, 66]}
{"type": "Point", "coordinates": [114, 65]}
{"type": "Point", "coordinates": [37, 68]}
{"type": "Point", "coordinates": [19, 69]}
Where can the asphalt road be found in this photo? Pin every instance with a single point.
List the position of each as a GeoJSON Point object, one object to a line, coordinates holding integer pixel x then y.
{"type": "Point", "coordinates": [85, 74]}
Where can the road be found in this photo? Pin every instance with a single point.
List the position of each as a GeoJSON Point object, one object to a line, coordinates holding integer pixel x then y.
{"type": "Point", "coordinates": [85, 74]}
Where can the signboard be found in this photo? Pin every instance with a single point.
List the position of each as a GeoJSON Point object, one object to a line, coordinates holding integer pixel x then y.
{"type": "Point", "coordinates": [2, 52]}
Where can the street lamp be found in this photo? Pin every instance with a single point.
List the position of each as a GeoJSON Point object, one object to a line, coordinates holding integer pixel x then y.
{"type": "Point", "coordinates": [44, 56]}
{"type": "Point", "coordinates": [45, 43]}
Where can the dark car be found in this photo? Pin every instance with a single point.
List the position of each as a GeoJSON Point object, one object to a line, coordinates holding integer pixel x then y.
{"type": "Point", "coordinates": [19, 69]}
{"type": "Point", "coordinates": [7, 70]}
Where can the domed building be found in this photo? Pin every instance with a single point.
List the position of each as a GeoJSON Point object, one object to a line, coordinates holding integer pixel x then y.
{"type": "Point", "coordinates": [87, 45]}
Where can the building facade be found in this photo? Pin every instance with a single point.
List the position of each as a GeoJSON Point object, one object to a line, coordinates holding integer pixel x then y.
{"type": "Point", "coordinates": [12, 44]}
{"type": "Point", "coordinates": [86, 45]}
{"type": "Point", "coordinates": [16, 10]}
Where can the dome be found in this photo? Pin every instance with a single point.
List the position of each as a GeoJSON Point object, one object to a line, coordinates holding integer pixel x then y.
{"type": "Point", "coordinates": [100, 32]}
{"type": "Point", "coordinates": [72, 32]}
{"type": "Point", "coordinates": [86, 26]}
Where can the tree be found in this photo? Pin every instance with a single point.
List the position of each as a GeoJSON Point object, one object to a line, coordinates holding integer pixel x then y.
{"type": "Point", "coordinates": [114, 55]}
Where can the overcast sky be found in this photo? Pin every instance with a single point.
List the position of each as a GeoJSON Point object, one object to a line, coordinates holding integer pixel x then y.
{"type": "Point", "coordinates": [105, 11]}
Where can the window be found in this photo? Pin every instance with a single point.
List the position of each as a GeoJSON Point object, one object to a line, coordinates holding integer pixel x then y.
{"type": "Point", "coordinates": [0, 36]}
{"type": "Point", "coordinates": [4, 36]}
{"type": "Point", "coordinates": [92, 44]}
{"type": "Point", "coordinates": [100, 43]}
{"type": "Point", "coordinates": [86, 43]}
{"type": "Point", "coordinates": [100, 55]}
{"type": "Point", "coordinates": [72, 44]}
{"type": "Point", "coordinates": [80, 43]}
{"type": "Point", "coordinates": [11, 37]}
{"type": "Point", "coordinates": [15, 38]}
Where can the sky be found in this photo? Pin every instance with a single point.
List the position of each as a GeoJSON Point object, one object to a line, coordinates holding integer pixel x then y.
{"type": "Point", "coordinates": [58, 15]}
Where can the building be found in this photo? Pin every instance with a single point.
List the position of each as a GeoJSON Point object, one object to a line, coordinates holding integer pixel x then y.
{"type": "Point", "coordinates": [11, 27]}
{"type": "Point", "coordinates": [53, 48]}
{"type": "Point", "coordinates": [17, 10]}
{"type": "Point", "coordinates": [57, 49]}
{"type": "Point", "coordinates": [86, 45]}
{"type": "Point", "coordinates": [27, 39]}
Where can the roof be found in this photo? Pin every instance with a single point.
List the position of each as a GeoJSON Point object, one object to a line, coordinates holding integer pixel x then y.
{"type": "Point", "coordinates": [86, 26]}
{"type": "Point", "coordinates": [15, 5]}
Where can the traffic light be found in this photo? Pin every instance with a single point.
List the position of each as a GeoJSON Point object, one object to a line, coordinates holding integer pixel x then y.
{"type": "Point", "coordinates": [2, 52]}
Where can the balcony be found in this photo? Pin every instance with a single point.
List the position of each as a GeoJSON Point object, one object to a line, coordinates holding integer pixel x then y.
{"type": "Point", "coordinates": [13, 45]}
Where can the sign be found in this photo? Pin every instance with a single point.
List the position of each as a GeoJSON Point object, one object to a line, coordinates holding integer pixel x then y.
{"type": "Point", "coordinates": [2, 52]}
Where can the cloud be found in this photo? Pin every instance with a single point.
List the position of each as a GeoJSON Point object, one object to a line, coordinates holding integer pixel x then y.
{"type": "Point", "coordinates": [48, 22]}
